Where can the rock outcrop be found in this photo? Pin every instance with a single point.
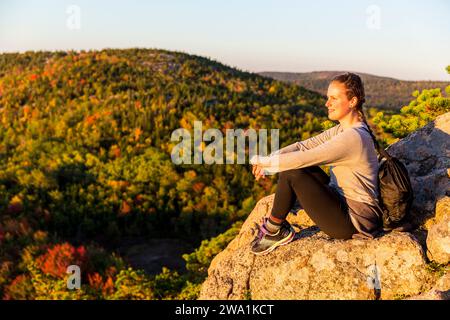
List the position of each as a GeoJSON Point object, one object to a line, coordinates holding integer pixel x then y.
{"type": "Point", "coordinates": [315, 266]}
{"type": "Point", "coordinates": [438, 239]}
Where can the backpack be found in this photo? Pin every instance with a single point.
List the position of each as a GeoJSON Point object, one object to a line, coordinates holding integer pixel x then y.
{"type": "Point", "coordinates": [395, 190]}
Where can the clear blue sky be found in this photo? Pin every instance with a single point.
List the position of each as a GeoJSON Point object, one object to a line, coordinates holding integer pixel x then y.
{"type": "Point", "coordinates": [412, 41]}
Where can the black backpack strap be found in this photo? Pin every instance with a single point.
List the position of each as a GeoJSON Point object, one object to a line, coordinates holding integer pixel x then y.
{"type": "Point", "coordinates": [380, 150]}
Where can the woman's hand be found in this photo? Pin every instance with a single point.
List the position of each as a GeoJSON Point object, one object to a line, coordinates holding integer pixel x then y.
{"type": "Point", "coordinates": [258, 172]}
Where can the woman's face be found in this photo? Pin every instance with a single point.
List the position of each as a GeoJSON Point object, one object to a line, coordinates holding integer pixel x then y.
{"type": "Point", "coordinates": [338, 104]}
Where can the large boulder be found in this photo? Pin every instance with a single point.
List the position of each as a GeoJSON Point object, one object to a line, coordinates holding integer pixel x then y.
{"type": "Point", "coordinates": [317, 267]}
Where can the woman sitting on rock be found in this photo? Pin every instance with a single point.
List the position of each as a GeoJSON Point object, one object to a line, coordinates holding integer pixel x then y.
{"type": "Point", "coordinates": [345, 204]}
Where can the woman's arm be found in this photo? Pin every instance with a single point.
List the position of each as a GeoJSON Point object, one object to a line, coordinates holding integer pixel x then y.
{"type": "Point", "coordinates": [342, 147]}
{"type": "Point", "coordinates": [311, 142]}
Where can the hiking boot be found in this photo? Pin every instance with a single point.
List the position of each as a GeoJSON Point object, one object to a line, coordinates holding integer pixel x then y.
{"type": "Point", "coordinates": [266, 242]}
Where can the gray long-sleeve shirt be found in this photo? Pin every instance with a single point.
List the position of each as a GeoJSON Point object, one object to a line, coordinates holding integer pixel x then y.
{"type": "Point", "coordinates": [350, 154]}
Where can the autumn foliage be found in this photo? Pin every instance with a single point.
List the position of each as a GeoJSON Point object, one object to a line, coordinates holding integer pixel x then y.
{"type": "Point", "coordinates": [56, 259]}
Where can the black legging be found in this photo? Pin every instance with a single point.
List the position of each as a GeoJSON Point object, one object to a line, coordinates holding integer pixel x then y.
{"type": "Point", "coordinates": [321, 203]}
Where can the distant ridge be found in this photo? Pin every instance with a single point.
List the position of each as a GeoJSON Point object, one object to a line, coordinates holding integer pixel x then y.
{"type": "Point", "coordinates": [381, 92]}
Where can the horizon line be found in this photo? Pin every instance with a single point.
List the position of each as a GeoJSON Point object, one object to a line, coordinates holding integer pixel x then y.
{"type": "Point", "coordinates": [214, 59]}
